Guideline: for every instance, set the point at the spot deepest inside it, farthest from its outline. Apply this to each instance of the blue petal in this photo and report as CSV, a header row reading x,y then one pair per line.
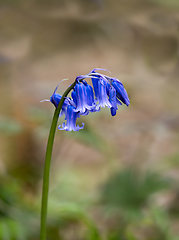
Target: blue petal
x,y
120,91
95,87
85,113
112,100
90,97
113,111
73,95
55,99
108,86
82,98
103,98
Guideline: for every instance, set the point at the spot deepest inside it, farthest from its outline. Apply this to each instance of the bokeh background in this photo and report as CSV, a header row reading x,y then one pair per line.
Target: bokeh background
x,y
118,179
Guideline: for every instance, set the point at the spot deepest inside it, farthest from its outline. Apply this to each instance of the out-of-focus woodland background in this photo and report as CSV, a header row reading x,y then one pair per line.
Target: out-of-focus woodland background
x,y
118,179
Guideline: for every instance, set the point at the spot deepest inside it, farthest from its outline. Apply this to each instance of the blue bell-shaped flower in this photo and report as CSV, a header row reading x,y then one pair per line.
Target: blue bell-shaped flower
x,y
120,91
83,98
71,117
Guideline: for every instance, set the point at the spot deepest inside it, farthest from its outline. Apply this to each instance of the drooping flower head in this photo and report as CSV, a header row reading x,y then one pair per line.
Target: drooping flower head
x,y
105,91
107,88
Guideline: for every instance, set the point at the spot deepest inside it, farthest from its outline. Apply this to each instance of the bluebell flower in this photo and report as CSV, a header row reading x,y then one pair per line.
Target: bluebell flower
x,y
106,91
102,94
90,97
95,79
101,88
55,99
71,117
121,92
118,90
84,99
108,87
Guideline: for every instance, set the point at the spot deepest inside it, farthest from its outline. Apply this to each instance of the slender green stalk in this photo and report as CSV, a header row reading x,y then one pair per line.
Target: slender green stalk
x,y
46,175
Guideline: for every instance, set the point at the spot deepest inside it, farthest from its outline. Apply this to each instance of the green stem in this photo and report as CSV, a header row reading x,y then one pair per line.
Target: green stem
x,y
46,175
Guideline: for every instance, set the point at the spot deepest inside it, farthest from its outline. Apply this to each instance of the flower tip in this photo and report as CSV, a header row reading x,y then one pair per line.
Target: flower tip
x,y
79,128
45,100
113,111
102,69
65,79
127,101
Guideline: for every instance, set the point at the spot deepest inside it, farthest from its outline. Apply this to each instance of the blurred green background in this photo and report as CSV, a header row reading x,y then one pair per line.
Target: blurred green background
x,y
118,179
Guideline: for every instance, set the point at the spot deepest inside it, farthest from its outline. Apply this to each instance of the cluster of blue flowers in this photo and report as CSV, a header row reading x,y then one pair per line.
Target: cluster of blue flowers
x,y
106,91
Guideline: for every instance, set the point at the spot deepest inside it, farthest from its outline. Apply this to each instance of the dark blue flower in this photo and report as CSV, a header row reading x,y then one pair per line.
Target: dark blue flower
x,y
120,91
111,92
55,99
71,117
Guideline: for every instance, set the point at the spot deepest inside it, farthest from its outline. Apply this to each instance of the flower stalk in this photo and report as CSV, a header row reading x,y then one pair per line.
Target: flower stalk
x,y
46,176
